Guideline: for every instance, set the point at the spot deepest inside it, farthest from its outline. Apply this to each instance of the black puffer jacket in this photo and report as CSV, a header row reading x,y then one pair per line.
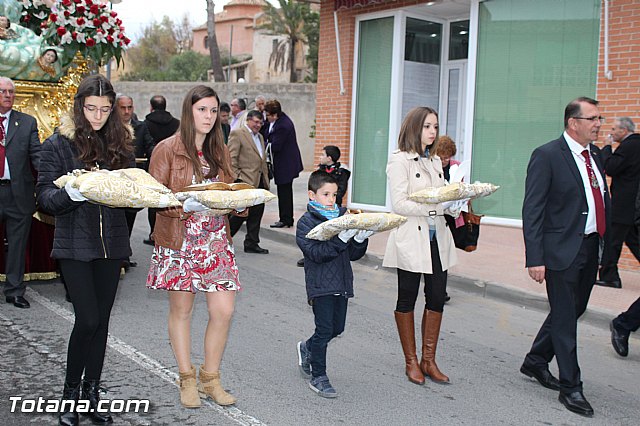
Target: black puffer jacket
x,y
83,231
327,264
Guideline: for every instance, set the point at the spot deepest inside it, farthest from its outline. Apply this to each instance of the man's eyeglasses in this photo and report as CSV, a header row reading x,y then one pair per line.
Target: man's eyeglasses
x,y
594,118
7,91
93,108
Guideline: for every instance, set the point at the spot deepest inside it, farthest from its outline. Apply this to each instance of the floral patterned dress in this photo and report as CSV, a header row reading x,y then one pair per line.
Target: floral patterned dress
x,y
206,261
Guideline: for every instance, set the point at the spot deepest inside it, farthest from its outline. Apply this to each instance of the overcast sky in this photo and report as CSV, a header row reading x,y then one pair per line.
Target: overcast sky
x,y
136,14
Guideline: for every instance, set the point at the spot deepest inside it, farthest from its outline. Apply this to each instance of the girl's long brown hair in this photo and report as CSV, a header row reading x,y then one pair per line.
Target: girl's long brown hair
x,y
213,149
410,139
113,143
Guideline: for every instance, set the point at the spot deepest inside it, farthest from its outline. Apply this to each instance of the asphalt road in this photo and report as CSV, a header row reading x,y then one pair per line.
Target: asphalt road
x,y
482,345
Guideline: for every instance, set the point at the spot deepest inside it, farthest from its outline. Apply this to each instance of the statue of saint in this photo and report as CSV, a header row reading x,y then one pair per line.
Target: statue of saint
x,y
22,53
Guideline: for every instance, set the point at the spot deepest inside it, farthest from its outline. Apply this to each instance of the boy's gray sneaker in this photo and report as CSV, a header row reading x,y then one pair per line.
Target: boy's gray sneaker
x,y
322,387
304,359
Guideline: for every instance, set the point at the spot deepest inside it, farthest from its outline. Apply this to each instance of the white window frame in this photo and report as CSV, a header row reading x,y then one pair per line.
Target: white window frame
x,y
395,102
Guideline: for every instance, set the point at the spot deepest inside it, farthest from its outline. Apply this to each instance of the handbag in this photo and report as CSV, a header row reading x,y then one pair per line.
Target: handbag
x,y
269,160
465,237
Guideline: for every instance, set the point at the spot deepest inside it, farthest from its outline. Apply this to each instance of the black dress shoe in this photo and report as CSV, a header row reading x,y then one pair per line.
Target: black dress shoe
x,y
544,377
133,264
256,249
619,340
18,302
446,297
612,284
576,402
300,263
280,225
149,242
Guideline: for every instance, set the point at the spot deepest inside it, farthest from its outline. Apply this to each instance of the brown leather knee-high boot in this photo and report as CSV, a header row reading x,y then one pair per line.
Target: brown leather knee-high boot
x,y
431,321
406,330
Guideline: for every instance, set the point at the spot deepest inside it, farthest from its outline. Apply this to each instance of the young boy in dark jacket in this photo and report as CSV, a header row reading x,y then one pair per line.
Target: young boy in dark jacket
x,y
328,277
329,163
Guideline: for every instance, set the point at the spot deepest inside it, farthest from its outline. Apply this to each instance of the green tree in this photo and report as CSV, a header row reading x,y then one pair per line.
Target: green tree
x,y
312,32
188,66
289,20
149,59
214,52
183,32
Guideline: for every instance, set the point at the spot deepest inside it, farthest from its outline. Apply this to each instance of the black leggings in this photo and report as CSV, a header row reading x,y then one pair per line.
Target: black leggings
x,y
435,287
92,287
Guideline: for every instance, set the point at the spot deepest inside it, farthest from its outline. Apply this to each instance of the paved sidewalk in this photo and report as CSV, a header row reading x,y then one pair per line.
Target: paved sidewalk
x,y
498,262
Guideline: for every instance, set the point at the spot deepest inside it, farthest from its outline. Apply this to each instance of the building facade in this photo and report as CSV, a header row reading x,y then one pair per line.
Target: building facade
x,y
264,57
499,72
234,28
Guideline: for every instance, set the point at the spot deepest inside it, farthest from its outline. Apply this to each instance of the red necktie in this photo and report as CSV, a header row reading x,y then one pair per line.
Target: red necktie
x,y
597,195
2,142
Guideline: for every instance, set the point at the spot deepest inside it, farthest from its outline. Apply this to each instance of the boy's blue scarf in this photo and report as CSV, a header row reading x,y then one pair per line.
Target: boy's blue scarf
x,y
327,212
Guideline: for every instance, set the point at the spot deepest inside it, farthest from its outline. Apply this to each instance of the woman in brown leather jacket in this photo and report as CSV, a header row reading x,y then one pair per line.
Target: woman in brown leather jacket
x,y
193,251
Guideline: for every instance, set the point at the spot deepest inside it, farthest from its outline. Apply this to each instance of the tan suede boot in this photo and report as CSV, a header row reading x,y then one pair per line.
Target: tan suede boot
x,y
431,321
188,389
210,386
407,333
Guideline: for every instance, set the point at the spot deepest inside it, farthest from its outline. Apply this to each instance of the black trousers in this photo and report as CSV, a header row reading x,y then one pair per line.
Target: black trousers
x,y
568,291
435,285
620,233
92,287
17,227
151,214
252,239
285,203
629,320
131,219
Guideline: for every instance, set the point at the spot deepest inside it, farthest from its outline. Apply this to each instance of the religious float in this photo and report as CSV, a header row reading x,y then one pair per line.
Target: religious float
x,y
46,48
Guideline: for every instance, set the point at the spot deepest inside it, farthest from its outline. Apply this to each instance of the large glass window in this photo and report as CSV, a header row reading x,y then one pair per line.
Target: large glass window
x,y
533,58
373,93
421,79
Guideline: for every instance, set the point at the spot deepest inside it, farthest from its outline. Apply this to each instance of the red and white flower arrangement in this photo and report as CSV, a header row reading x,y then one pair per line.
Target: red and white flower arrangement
x,y
85,26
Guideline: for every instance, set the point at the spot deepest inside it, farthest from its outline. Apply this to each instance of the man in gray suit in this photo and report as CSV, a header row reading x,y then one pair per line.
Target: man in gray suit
x,y
249,164
19,149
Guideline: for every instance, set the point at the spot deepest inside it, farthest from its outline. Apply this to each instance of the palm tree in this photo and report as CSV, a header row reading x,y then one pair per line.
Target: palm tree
x,y
288,20
214,52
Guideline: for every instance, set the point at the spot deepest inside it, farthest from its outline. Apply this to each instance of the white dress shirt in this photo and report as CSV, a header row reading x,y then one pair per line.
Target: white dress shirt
x,y
576,150
256,140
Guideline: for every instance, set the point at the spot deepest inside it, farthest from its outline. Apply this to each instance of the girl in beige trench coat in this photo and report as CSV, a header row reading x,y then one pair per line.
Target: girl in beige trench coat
x,y
421,246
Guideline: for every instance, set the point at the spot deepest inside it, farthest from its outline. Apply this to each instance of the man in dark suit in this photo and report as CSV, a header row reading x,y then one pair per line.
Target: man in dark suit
x,y
144,145
224,111
623,165
622,326
19,151
287,162
161,125
564,217
248,160
627,322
